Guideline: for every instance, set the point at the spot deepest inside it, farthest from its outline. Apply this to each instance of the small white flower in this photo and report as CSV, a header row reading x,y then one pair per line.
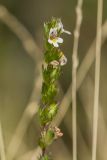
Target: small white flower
x,y
54,63
60,27
53,39
63,60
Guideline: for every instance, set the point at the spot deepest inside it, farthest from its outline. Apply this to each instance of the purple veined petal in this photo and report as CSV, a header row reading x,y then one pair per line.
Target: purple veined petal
x,y
53,32
63,60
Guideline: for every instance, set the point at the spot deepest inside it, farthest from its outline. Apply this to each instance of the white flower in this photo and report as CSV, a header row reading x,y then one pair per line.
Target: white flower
x,y
54,63
60,27
63,60
53,39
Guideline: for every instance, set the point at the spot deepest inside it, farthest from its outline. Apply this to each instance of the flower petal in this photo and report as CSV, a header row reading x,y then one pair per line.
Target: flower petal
x,y
67,32
53,32
60,40
55,44
63,60
50,41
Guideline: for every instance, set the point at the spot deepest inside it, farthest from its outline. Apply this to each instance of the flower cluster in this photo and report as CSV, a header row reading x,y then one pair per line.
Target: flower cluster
x,y
53,34
54,59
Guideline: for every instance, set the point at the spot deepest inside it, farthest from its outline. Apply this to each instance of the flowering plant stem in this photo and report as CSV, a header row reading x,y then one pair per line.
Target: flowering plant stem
x,y
54,59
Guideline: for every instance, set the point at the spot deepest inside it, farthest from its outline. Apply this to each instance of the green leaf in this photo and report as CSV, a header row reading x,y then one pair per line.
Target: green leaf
x,y
46,30
51,55
48,46
43,116
48,113
48,92
50,74
52,111
47,138
42,143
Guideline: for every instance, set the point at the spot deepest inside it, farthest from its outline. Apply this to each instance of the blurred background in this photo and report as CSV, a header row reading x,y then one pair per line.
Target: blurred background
x,y
21,55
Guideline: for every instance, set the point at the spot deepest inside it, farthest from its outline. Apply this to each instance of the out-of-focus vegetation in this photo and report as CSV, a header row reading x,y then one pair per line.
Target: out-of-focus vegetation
x,y
18,72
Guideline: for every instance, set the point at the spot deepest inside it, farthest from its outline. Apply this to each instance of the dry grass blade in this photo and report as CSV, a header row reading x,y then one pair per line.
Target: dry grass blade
x,y
2,147
21,32
24,122
90,57
82,145
31,48
74,75
97,78
88,89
